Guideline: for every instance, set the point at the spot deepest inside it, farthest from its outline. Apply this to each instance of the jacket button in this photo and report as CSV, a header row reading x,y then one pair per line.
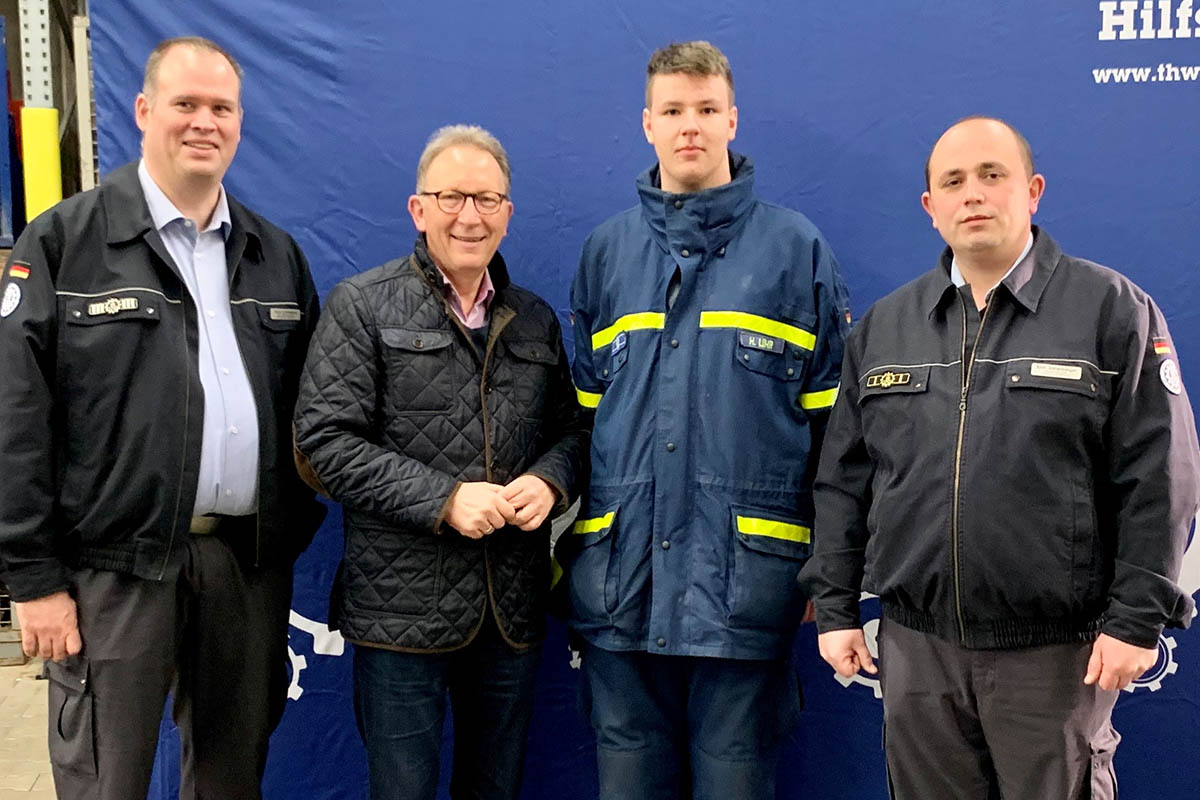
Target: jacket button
x,y
670,447
661,642
674,343
487,388
745,356
721,252
604,372
417,343
666,545
679,204
684,253
796,354
791,372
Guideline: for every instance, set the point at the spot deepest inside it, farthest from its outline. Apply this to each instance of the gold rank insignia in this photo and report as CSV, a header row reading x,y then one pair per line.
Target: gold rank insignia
x,y
113,305
887,380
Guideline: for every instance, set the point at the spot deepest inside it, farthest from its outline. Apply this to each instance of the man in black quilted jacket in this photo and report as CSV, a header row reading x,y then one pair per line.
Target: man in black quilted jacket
x,y
436,405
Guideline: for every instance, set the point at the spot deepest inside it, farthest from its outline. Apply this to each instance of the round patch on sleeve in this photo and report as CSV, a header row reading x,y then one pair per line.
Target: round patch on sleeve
x,y
1168,373
12,298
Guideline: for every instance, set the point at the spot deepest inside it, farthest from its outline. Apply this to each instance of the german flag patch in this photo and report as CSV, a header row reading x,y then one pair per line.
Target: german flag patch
x,y
1162,347
18,271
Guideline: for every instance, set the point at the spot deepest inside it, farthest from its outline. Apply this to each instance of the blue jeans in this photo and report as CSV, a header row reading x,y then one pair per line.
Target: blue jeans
x,y
400,703
672,727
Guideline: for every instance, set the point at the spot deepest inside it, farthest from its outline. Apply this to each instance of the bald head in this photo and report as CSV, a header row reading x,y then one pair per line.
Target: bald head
x,y
1022,143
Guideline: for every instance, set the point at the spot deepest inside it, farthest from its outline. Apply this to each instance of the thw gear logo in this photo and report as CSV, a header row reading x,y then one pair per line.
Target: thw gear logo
x,y
325,643
871,632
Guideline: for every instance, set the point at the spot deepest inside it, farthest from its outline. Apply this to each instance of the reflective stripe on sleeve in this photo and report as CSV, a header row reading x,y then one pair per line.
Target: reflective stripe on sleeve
x,y
814,401
763,325
588,399
757,526
643,320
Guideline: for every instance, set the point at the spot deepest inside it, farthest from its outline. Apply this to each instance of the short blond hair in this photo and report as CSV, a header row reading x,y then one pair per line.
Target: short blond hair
x,y
150,76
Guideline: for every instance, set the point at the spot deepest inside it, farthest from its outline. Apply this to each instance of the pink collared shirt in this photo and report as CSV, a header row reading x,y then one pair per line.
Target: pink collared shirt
x,y
476,317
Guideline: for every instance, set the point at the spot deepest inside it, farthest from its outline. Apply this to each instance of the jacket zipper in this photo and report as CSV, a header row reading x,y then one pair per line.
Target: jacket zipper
x,y
967,367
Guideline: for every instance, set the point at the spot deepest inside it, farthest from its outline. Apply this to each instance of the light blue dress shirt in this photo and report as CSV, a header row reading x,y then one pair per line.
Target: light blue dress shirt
x,y
229,453
957,277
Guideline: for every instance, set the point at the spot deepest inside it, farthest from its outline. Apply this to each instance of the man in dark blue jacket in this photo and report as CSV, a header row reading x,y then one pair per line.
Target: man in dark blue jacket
x,y
708,340
1012,467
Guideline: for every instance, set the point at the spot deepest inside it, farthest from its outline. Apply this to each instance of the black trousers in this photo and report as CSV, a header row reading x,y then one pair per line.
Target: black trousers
x,y
993,724
216,634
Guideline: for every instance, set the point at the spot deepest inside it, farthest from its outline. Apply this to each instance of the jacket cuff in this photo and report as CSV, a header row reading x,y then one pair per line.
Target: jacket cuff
x,y
34,580
1138,634
561,502
837,617
445,510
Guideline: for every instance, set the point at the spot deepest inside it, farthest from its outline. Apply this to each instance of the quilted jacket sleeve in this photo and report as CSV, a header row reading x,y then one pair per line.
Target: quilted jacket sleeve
x,y
335,423
564,464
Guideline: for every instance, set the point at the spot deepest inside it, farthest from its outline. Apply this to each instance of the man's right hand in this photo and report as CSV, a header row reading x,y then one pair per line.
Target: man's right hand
x,y
846,651
476,509
49,627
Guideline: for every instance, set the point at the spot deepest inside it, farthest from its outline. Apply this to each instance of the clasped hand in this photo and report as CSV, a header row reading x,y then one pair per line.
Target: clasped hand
x,y
479,507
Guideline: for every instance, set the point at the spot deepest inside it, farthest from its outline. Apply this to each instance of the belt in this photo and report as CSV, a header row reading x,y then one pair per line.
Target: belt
x,y
210,523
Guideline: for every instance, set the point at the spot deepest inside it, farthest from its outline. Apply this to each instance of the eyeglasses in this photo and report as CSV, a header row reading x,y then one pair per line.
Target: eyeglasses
x,y
452,201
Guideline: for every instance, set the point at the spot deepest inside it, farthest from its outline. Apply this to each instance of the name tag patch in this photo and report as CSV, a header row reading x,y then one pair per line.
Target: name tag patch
x,y
113,305
768,344
1065,372
886,380
286,314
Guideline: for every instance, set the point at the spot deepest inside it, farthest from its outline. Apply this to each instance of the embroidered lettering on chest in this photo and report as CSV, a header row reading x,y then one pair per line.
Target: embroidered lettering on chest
x,y
757,341
1065,372
113,305
886,380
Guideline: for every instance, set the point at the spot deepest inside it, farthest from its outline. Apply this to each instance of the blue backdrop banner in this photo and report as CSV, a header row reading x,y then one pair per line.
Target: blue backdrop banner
x,y
839,104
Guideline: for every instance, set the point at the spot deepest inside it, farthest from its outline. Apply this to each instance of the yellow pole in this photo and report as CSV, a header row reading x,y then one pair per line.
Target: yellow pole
x,y
43,167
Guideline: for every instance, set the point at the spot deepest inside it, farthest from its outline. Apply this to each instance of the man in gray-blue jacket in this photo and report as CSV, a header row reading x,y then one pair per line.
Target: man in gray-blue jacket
x,y
1012,467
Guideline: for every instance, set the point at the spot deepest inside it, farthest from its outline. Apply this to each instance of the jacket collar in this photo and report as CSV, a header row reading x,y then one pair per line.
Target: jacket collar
x,y
497,269
128,217
1026,286
701,221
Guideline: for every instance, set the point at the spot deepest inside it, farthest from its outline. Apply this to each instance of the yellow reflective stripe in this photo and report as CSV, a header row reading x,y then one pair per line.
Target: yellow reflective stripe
x,y
594,524
763,325
588,399
643,320
815,400
556,572
756,526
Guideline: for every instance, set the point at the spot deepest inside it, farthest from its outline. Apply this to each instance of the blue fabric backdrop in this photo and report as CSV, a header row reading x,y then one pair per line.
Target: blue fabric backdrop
x,y
839,104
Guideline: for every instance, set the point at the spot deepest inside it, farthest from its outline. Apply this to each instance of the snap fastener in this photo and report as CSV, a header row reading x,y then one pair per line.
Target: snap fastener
x,y
417,343
1015,378
661,642
674,343
684,253
604,372
666,545
679,204
670,447
791,371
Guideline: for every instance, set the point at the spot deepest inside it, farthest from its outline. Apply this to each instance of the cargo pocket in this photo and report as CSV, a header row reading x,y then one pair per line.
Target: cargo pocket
x,y
768,550
593,570
72,727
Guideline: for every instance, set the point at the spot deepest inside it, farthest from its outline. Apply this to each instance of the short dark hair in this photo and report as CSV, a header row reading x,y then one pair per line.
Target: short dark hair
x,y
1022,144
698,58
150,77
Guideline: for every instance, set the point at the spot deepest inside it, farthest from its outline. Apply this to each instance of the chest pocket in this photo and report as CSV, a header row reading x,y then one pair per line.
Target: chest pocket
x,y
1052,393
528,375
421,372
770,355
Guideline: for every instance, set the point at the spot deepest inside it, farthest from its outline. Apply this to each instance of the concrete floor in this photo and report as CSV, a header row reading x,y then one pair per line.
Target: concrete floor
x,y
24,762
